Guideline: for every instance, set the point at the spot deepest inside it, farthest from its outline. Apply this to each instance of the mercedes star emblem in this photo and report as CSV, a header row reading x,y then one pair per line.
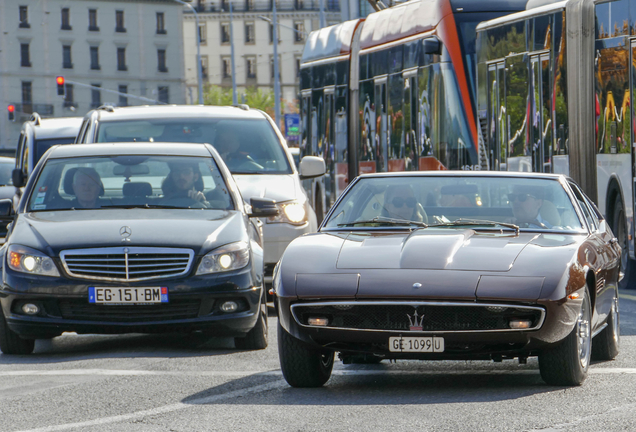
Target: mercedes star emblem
x,y
125,232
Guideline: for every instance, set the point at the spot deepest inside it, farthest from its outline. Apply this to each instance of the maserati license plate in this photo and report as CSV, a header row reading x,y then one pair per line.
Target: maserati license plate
x,y
132,296
416,344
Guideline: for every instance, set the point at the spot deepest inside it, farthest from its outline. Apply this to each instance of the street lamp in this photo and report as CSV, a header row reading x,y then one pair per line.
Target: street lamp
x,y
199,65
276,76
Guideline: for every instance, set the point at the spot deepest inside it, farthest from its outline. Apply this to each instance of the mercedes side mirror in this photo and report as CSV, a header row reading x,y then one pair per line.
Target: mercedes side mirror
x,y
310,167
263,207
6,208
18,177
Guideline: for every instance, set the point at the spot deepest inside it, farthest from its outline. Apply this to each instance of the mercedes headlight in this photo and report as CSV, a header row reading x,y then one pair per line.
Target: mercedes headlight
x,y
229,257
31,261
291,212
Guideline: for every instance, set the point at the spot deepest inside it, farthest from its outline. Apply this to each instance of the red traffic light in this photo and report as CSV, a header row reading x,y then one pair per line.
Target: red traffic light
x,y
11,108
60,85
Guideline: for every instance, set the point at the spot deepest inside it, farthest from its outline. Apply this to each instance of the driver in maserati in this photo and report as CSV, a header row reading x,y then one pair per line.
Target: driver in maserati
x,y
526,201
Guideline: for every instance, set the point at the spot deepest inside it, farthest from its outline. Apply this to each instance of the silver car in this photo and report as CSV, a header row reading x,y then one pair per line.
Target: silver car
x,y
248,141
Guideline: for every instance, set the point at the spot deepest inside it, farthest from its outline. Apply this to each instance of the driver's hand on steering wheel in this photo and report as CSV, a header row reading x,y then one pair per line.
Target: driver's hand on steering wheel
x,y
196,195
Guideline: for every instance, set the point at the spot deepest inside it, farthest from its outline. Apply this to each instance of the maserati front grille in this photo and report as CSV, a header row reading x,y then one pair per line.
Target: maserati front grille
x,y
434,317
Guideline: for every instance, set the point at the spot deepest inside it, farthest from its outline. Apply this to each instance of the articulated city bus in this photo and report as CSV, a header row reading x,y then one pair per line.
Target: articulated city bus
x,y
556,86
393,92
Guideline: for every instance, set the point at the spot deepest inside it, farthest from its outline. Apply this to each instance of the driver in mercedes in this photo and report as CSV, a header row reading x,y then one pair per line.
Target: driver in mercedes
x,y
184,181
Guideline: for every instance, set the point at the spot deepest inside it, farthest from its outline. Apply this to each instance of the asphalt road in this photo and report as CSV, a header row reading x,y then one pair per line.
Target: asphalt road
x,y
176,383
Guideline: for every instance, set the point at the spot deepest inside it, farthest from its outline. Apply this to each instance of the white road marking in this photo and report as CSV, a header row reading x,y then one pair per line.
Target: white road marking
x,y
340,372
163,409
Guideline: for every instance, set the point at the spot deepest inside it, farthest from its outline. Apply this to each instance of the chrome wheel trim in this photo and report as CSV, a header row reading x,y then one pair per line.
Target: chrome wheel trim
x,y
326,360
584,338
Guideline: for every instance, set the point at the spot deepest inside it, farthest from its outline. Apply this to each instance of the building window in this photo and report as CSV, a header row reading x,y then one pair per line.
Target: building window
x,y
95,58
25,58
271,34
161,60
92,20
67,62
271,67
297,59
298,4
24,17
250,67
96,96
226,64
66,19
69,97
249,5
203,34
225,32
249,32
119,22
123,100
161,23
299,31
121,59
164,95
225,5
204,67
27,93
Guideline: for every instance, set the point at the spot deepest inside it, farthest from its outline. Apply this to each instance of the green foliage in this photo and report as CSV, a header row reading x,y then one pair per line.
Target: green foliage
x,y
255,98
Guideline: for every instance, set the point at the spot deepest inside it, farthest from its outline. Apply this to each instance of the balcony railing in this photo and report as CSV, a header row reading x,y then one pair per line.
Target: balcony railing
x,y
30,108
266,6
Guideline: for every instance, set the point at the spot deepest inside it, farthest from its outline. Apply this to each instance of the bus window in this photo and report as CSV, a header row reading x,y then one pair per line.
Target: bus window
x,y
381,126
519,157
395,124
367,150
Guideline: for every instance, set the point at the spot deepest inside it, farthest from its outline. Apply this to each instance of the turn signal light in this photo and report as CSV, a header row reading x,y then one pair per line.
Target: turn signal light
x,y
318,321
520,324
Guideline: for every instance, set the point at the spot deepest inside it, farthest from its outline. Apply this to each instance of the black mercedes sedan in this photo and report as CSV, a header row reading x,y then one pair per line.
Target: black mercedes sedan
x,y
452,265
121,238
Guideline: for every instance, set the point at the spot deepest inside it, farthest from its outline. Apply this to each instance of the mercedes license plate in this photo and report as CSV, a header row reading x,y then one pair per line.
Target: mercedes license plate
x,y
132,296
416,344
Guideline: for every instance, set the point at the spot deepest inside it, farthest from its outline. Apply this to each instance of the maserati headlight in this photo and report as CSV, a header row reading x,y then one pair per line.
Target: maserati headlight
x,y
291,212
31,261
229,257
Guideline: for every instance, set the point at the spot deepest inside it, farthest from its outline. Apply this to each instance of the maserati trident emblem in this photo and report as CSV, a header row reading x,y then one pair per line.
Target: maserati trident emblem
x,y
125,232
414,323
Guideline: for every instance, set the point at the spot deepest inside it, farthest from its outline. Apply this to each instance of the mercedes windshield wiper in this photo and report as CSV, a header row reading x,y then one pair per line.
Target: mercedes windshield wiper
x,y
149,206
477,222
385,221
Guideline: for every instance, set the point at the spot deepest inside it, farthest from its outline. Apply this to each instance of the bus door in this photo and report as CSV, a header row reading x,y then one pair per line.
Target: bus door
x,y
328,145
305,109
518,107
410,120
496,116
382,130
539,124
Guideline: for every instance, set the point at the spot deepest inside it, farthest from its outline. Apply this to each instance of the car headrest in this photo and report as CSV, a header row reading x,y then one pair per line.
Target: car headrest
x,y
137,189
550,213
70,174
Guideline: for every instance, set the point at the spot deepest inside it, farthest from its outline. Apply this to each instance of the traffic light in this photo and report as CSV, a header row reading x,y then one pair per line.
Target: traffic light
x,y
60,85
11,109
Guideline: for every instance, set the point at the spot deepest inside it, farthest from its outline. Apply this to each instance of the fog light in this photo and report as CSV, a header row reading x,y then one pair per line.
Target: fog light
x,y
30,309
229,306
520,323
318,321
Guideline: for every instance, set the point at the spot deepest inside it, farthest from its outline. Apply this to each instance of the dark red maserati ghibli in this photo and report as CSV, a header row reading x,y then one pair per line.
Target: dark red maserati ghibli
x,y
452,265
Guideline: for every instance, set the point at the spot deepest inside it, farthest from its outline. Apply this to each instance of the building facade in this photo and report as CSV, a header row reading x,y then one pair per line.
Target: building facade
x,y
100,47
253,42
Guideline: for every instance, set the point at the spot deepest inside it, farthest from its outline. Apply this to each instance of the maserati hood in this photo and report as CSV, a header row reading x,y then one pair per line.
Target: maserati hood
x,y
279,187
433,249
200,230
